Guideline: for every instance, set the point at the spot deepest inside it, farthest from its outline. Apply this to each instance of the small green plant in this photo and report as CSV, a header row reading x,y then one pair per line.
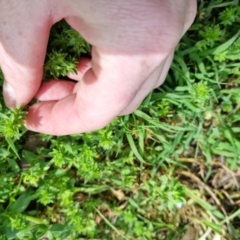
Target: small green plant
x,y
201,93
230,15
210,35
59,64
12,123
64,50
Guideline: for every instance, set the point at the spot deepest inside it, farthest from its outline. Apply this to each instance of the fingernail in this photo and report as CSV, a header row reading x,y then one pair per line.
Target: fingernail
x,y
9,95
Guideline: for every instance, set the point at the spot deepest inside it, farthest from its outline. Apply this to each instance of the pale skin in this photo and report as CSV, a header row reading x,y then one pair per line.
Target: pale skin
x,y
132,48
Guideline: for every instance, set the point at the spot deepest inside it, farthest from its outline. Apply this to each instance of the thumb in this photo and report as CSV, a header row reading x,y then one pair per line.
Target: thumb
x,y
24,32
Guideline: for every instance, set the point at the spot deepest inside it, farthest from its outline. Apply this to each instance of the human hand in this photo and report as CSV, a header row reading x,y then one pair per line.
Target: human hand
x,y
132,48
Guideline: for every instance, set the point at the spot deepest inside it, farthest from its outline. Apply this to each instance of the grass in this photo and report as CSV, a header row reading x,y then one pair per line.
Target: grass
x,y
168,171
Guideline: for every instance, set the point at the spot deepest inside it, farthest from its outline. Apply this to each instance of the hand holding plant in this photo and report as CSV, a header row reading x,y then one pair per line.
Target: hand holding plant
x,y
132,48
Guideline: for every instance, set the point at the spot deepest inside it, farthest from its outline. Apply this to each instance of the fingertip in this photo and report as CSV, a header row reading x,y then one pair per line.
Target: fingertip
x,y
20,85
84,65
9,95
